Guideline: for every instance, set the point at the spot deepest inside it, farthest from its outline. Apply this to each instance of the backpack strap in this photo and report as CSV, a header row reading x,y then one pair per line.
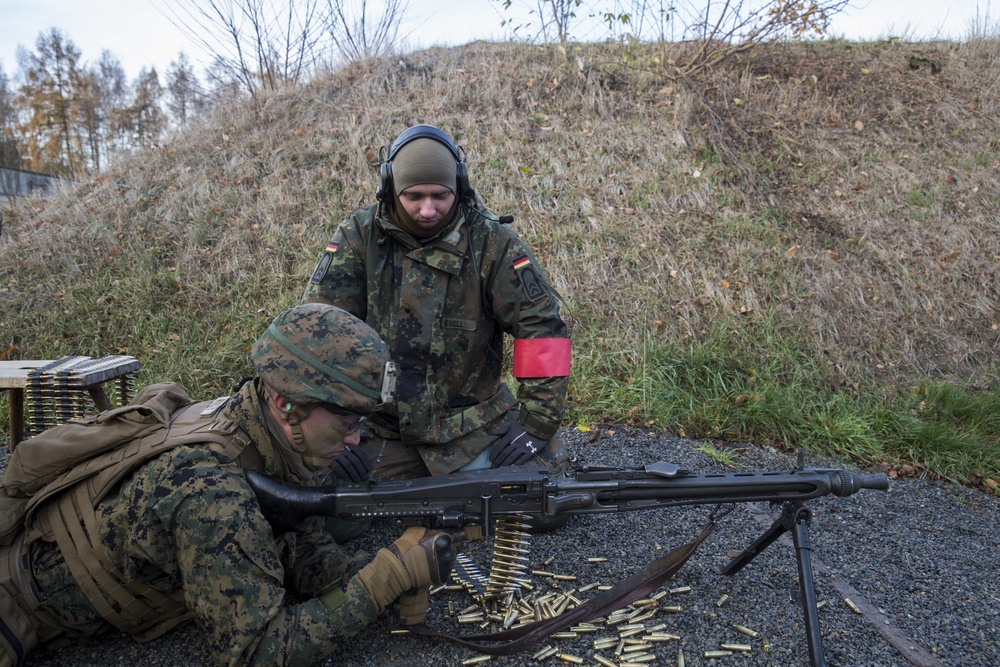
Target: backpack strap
x,y
70,519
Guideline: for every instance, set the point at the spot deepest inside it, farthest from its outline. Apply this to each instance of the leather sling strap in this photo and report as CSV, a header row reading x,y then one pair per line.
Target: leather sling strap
x,y
625,592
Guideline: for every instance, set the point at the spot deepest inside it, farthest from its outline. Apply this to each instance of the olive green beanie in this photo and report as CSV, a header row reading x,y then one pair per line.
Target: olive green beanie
x,y
421,161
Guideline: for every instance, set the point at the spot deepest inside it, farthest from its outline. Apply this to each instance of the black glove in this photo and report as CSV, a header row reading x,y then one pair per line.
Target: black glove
x,y
352,464
515,446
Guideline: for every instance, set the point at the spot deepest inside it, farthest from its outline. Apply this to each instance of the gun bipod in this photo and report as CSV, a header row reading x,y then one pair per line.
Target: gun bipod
x,y
795,517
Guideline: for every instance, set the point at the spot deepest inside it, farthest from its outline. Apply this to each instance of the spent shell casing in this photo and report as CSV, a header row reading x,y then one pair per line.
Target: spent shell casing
x,y
717,654
642,659
740,648
597,559
584,589
399,631
550,560
620,647
572,659
657,628
471,618
605,642
469,610
604,661
672,608
743,630
661,637
680,658
631,632
821,604
645,616
478,659
542,573
854,607
566,634
680,589
437,589
633,641
604,587
585,627
638,648
564,577
722,600
544,653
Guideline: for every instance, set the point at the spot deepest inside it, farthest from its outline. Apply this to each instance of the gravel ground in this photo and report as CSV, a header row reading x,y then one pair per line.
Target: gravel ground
x,y
921,559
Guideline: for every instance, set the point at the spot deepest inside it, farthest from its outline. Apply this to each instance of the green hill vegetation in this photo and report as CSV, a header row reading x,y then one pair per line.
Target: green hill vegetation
x,y
798,247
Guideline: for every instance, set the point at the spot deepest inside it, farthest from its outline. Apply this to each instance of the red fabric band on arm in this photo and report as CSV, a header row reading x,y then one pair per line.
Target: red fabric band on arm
x,y
541,357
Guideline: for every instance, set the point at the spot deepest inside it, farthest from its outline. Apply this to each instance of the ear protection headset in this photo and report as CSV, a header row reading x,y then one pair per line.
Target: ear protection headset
x,y
386,191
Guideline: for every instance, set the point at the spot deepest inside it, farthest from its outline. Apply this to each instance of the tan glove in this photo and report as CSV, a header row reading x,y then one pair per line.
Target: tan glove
x,y
418,559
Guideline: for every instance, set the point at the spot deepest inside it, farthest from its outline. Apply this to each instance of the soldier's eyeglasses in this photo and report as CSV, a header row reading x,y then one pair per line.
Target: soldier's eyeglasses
x,y
356,425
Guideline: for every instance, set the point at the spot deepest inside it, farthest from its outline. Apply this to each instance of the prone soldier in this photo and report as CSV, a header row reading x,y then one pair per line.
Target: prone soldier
x,y
154,524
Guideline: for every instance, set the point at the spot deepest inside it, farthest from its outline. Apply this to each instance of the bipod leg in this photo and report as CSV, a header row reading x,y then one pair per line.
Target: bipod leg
x,y
777,529
795,518
803,549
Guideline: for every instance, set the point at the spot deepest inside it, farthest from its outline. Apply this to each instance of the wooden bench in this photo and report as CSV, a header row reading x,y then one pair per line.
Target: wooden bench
x,y
47,392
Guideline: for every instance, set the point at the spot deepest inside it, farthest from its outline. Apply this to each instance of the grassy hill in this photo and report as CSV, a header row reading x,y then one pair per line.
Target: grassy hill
x,y
799,247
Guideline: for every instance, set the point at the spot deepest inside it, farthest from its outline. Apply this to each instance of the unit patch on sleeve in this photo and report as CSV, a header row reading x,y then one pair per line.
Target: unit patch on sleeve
x,y
528,276
324,264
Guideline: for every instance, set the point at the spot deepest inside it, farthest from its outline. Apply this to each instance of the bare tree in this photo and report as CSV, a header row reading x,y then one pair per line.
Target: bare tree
x,y
722,28
358,33
263,44
694,33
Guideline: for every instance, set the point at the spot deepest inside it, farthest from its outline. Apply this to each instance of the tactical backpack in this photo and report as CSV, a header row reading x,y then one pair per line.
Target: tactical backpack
x,y
51,487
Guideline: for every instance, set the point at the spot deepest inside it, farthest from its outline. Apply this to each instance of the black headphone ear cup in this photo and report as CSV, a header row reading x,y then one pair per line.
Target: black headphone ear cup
x,y
385,187
462,178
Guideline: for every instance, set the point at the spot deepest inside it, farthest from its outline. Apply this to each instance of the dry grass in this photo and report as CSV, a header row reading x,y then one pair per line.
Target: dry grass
x,y
843,195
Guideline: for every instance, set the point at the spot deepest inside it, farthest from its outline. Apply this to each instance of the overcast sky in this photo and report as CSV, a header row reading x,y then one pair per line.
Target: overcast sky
x,y
141,36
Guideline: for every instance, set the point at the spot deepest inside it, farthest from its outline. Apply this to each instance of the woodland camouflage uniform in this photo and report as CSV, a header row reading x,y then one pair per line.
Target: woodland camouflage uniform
x,y
442,307
188,519
176,531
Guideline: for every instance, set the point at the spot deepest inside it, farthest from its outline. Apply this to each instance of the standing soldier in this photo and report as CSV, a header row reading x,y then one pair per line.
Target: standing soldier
x,y
142,518
442,280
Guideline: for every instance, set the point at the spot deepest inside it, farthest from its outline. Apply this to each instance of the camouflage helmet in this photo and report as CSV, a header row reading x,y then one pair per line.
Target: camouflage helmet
x,y
317,353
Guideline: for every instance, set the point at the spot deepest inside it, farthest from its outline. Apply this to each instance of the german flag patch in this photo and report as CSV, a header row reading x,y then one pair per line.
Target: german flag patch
x,y
528,277
324,263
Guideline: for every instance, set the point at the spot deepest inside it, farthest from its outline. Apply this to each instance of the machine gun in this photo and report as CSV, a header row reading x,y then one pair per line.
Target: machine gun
x,y
482,497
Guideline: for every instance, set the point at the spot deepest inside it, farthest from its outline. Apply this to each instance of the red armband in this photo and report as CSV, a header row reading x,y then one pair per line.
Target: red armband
x,y
541,357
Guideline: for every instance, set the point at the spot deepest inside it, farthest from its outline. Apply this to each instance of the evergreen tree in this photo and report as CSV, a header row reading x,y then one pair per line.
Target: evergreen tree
x,y
147,120
185,97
